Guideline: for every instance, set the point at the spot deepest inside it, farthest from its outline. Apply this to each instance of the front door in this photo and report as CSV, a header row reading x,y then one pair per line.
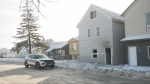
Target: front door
x,y
108,55
132,56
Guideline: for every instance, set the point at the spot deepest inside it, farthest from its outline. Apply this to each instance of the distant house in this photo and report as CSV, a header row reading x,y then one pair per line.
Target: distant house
x,y
48,42
41,50
74,48
23,52
137,32
58,50
36,50
13,50
100,32
6,53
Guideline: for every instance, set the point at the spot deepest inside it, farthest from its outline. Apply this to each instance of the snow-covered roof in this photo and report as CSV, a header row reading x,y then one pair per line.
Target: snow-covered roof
x,y
4,50
45,41
134,38
113,15
57,45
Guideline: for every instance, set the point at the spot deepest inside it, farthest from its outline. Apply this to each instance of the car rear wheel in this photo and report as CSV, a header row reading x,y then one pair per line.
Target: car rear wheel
x,y
38,65
26,64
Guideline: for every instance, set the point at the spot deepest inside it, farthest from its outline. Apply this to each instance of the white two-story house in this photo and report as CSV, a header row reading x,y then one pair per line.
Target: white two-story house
x,y
100,32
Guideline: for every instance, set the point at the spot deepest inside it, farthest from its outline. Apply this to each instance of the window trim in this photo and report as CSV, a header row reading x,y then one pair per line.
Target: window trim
x,y
148,49
74,46
87,33
99,31
94,53
147,21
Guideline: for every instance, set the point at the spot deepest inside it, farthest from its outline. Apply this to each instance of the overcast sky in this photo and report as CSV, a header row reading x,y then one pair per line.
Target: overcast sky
x,y
61,18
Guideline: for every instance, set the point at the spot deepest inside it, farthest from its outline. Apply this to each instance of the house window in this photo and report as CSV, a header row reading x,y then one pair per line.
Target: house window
x,y
148,48
93,14
88,33
63,52
58,52
148,21
74,46
97,31
95,55
51,53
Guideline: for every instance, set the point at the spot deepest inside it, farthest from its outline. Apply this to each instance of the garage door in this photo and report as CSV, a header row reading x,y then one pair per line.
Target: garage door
x,y
132,56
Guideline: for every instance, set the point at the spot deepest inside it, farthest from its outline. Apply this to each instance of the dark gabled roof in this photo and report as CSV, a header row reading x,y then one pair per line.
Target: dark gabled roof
x,y
57,45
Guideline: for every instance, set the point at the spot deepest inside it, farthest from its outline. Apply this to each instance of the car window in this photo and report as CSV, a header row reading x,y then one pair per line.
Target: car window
x,y
30,56
40,56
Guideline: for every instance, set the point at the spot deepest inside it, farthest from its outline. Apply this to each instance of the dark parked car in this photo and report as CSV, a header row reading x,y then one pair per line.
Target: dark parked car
x,y
39,61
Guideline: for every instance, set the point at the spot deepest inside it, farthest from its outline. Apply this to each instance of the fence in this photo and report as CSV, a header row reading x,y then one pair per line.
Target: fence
x,y
61,57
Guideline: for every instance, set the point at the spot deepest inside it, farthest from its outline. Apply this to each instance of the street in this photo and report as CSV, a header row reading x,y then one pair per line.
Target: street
x,y
13,73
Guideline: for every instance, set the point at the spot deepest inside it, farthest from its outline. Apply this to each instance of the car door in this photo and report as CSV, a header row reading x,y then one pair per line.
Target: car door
x,y
30,59
33,60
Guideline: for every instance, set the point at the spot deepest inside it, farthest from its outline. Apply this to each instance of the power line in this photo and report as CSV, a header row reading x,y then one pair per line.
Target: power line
x,y
64,8
7,34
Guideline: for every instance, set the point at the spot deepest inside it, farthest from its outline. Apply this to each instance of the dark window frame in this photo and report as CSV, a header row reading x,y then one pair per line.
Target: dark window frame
x,y
147,21
148,50
93,14
95,54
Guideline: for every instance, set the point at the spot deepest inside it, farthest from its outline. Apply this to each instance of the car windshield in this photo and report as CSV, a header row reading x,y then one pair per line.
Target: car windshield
x,y
40,56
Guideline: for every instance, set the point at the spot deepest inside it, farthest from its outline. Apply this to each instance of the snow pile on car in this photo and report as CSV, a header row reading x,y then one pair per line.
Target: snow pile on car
x,y
124,71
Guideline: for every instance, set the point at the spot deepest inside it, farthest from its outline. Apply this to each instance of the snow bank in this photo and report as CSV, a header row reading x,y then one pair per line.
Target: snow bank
x,y
13,60
135,72
95,68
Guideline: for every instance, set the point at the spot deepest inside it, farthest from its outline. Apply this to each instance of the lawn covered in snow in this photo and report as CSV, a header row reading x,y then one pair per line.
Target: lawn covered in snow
x,y
95,68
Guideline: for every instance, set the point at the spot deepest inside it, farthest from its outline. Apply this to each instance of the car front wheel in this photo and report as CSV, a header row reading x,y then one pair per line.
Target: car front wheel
x,y
26,64
38,65
52,66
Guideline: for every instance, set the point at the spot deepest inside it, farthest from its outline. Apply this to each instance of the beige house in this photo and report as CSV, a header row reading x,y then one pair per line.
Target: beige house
x,y
74,48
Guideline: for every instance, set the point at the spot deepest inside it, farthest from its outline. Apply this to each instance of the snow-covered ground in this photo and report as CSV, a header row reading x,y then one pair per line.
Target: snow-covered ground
x,y
95,68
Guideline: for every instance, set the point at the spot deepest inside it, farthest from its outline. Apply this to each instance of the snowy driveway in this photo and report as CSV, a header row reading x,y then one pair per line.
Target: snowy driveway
x,y
13,73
